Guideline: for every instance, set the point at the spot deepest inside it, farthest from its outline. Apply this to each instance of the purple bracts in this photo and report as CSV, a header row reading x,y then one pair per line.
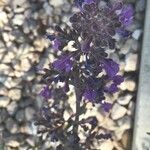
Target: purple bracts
x,y
126,16
110,67
46,92
56,44
63,64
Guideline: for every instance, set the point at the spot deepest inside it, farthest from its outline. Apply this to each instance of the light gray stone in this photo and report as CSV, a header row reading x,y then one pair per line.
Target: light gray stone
x,y
48,9
131,108
3,18
2,78
131,62
27,128
56,3
19,36
25,64
135,45
124,100
3,90
118,134
8,59
39,44
10,83
106,145
118,111
29,113
3,115
4,101
19,10
125,122
20,115
15,94
128,84
29,76
5,36
140,5
137,34
18,19
16,3
11,125
12,108
4,69
25,102
13,143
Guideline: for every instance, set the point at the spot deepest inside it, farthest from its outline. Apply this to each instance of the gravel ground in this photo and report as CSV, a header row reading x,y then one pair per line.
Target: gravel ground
x,y
23,51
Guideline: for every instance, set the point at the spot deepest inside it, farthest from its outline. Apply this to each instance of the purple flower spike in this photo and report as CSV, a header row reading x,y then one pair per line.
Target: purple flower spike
x,y
89,94
126,15
46,92
56,44
79,3
85,47
89,1
118,79
106,106
111,89
123,33
114,86
50,37
110,67
64,64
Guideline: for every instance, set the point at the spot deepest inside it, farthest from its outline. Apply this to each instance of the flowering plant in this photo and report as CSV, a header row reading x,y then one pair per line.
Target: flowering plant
x,y
87,68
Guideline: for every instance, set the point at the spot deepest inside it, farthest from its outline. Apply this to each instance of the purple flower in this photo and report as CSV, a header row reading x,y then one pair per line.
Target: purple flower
x,y
63,64
114,86
85,47
79,3
45,111
56,44
111,89
46,92
106,106
93,121
89,1
118,79
126,15
90,94
123,33
50,37
54,137
66,87
110,67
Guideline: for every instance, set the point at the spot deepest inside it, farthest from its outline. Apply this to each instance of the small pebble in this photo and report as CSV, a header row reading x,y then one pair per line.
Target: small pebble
x,y
124,100
125,122
12,107
4,101
15,94
18,19
137,34
20,115
118,111
29,113
11,125
131,62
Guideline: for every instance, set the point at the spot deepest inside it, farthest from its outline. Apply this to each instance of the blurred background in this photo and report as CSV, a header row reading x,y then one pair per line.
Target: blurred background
x,y
24,51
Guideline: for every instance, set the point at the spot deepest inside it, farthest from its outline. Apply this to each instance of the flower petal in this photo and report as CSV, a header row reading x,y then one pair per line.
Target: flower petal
x,y
110,67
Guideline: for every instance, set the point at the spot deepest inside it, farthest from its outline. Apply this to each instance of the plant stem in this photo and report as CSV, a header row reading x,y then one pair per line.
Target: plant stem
x,y
78,99
78,94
